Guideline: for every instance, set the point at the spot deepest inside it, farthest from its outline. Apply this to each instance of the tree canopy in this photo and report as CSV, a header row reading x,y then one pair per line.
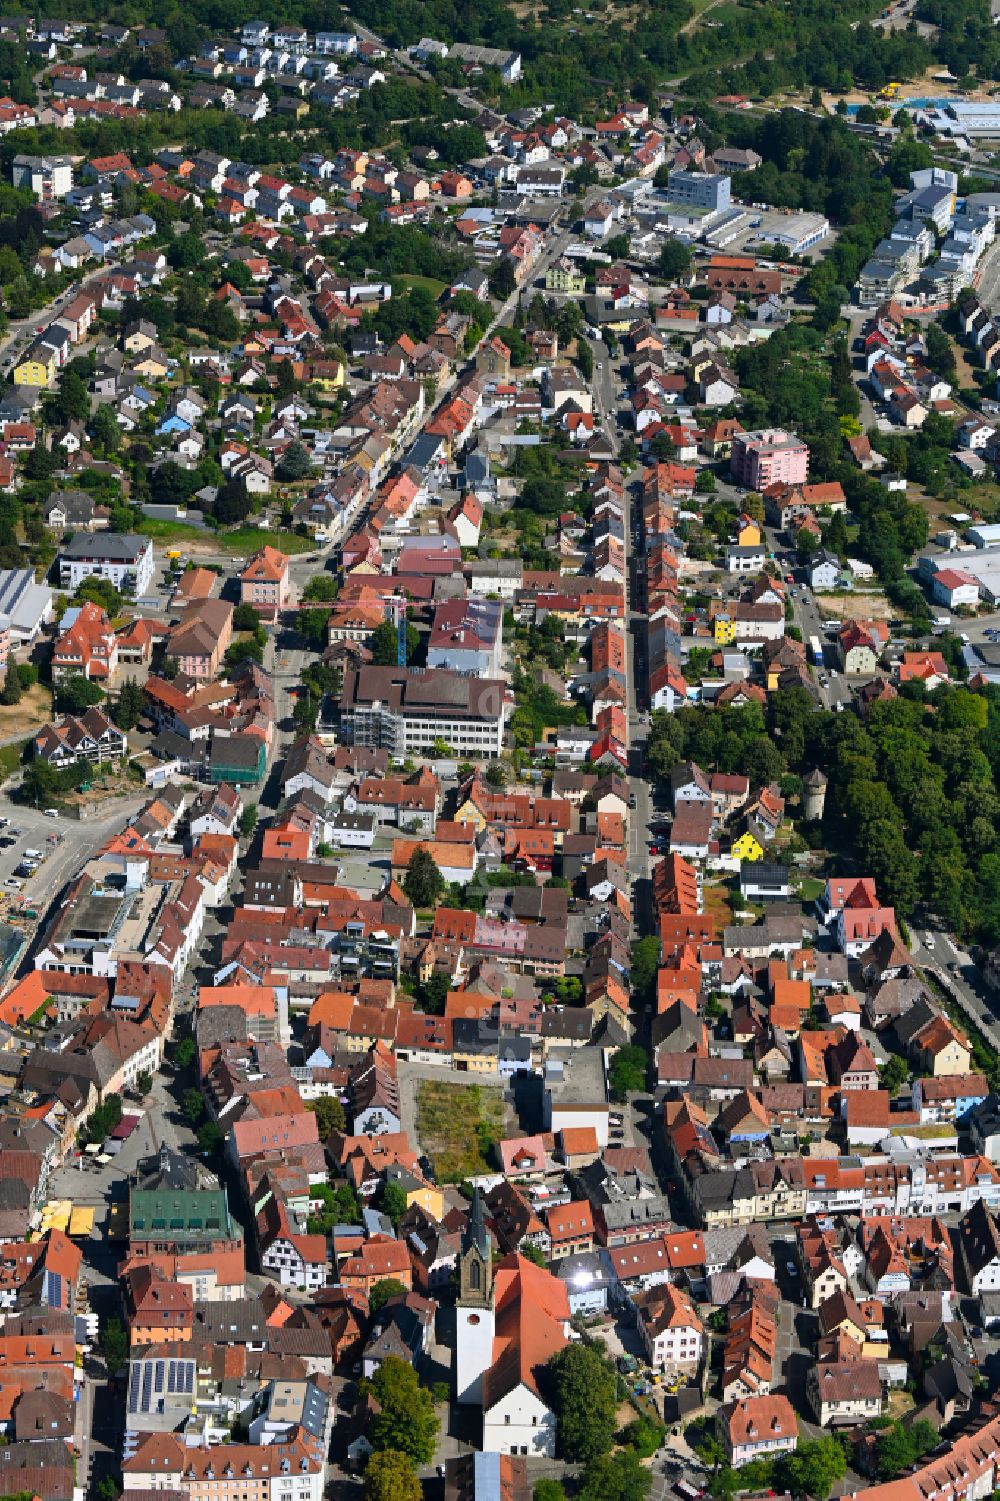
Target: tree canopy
x,y
407,1421
584,1397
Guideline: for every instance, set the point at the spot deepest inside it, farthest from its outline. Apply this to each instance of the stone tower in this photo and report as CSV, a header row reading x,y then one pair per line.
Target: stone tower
x,y
474,1310
814,794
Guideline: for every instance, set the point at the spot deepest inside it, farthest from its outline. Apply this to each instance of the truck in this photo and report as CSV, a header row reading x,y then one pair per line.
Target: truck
x,y
816,650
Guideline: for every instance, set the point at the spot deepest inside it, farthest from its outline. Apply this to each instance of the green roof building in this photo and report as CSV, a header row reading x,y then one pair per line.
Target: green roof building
x,y
181,1218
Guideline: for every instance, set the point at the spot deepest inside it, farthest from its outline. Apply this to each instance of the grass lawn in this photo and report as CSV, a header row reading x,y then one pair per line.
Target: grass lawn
x,y
404,283
159,530
456,1123
245,539
251,538
811,889
11,757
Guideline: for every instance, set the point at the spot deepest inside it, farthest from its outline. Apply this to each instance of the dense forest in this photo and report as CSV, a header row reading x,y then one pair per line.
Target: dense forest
x,y
913,797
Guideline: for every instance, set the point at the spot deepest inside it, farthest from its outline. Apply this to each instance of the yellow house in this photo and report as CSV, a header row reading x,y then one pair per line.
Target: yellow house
x,y
748,847
469,813
940,1050
329,375
151,364
748,533
139,339
428,1196
724,630
472,1059
35,369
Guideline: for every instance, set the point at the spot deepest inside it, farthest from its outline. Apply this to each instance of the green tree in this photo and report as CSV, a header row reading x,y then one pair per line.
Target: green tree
x,y
894,1073
502,280
407,1420
584,1395
76,693
193,1105
674,260
898,1448
384,643
645,965
627,1071
329,1113
105,434
248,820
210,1138
245,618
100,592
392,1201
114,1345
814,1468
295,463
615,1477
312,627
322,588
423,882
72,403
143,1082
130,705
384,1290
644,1436
548,1490
233,504
185,1052
390,1476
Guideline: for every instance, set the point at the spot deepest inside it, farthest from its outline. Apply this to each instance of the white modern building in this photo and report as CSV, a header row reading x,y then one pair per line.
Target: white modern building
x,y
127,561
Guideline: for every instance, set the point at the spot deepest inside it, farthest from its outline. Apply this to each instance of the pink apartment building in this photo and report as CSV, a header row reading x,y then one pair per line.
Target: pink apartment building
x,y
264,582
769,457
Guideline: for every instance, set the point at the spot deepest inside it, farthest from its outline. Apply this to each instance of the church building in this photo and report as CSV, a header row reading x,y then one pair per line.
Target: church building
x,y
511,1320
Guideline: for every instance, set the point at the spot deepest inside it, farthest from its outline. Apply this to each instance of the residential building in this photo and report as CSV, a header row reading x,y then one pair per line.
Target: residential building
x,y
769,456
757,1428
126,561
264,582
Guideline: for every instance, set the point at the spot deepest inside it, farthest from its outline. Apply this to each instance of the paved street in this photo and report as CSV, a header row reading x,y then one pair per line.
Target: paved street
x,y
78,841
959,978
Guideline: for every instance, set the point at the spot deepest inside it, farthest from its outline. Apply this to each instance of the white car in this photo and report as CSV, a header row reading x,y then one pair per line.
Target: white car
x,y
928,940
13,884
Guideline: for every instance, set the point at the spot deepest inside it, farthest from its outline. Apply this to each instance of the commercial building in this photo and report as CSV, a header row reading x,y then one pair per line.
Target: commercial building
x,y
769,456
24,605
707,190
126,561
405,711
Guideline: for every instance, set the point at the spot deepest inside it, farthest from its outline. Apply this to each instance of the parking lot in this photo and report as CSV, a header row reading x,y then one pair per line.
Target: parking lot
x,y
62,856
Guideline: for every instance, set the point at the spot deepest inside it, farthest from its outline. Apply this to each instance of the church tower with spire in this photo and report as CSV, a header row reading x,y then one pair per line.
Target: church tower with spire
x,y
474,1311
